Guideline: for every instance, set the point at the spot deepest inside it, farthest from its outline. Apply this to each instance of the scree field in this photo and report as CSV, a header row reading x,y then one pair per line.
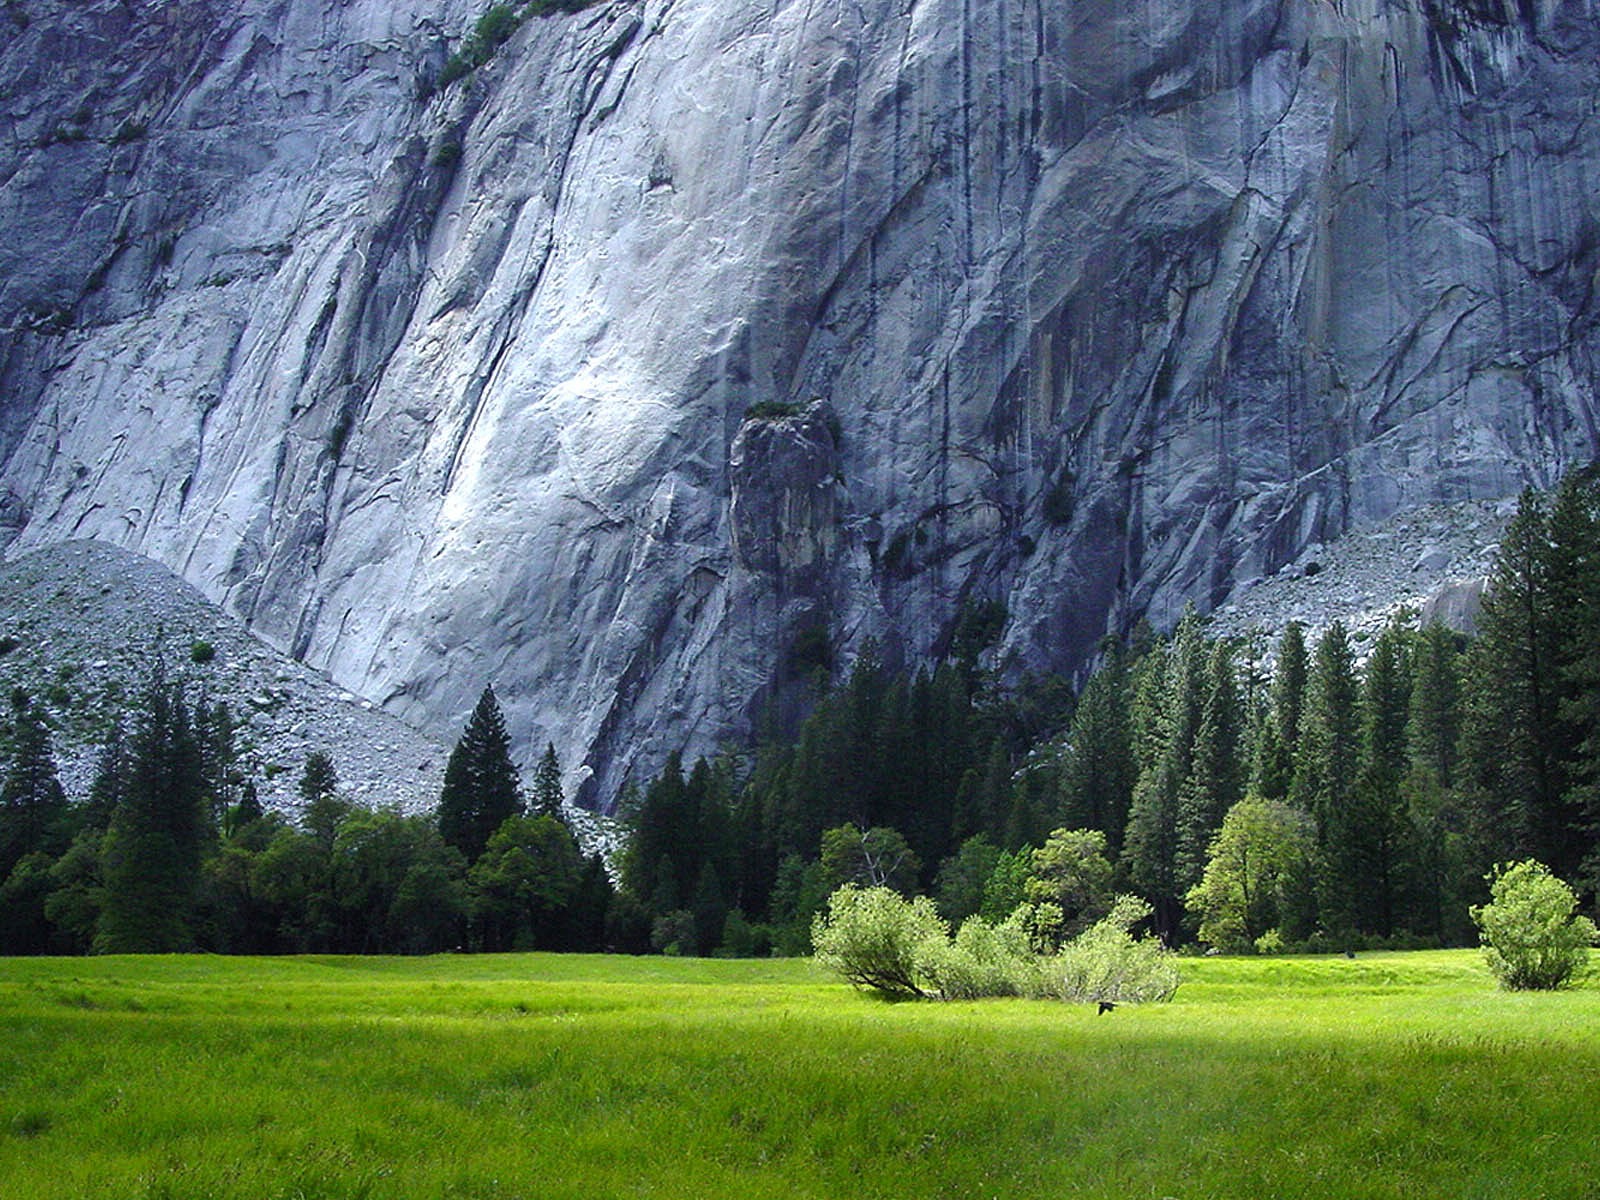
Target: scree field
x,y
545,1076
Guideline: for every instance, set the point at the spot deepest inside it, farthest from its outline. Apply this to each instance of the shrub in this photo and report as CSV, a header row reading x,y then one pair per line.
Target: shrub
x,y
492,30
978,626
809,653
1058,499
902,949
772,410
873,937
202,652
673,933
1531,937
984,960
1107,963
1270,942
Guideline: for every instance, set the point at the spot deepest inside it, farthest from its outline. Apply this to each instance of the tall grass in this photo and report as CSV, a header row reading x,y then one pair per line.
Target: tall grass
x,y
567,1076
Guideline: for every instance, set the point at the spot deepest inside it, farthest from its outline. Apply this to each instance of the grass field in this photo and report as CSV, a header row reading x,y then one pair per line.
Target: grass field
x,y
565,1076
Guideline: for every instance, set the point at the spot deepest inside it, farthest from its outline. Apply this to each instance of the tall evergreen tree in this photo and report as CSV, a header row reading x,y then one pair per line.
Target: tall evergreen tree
x,y
1272,759
1325,771
1215,782
1097,771
1434,721
33,808
661,841
1329,742
321,809
1151,846
547,795
1379,847
480,784
1573,549
151,856
1517,740
109,781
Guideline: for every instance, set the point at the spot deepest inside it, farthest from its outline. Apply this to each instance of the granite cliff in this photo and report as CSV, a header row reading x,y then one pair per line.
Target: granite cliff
x,y
688,343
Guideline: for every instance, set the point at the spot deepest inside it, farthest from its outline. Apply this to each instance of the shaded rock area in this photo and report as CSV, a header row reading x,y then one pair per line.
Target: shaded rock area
x,y
1113,308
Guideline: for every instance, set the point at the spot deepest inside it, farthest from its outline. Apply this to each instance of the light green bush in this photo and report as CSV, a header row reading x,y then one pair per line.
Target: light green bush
x,y
882,942
984,959
873,937
1531,937
1107,963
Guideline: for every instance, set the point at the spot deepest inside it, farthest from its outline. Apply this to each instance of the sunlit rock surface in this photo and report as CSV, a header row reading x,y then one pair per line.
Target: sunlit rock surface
x,y
1107,307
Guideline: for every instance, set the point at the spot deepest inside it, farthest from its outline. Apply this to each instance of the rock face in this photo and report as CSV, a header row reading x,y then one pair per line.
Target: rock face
x,y
1107,307
80,623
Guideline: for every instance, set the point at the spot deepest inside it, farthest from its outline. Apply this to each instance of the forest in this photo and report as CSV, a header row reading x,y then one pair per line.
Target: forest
x,y
1313,793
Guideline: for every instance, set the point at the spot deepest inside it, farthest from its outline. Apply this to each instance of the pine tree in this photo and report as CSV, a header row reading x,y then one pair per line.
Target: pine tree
x,y
33,807
1272,760
1151,846
1326,758
1573,579
1434,721
661,834
109,782
1214,783
547,795
1380,847
321,809
151,857
1325,772
1097,772
480,784
1517,741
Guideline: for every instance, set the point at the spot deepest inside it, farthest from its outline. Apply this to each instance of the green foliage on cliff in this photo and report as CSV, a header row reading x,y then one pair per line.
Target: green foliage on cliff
x,y
493,29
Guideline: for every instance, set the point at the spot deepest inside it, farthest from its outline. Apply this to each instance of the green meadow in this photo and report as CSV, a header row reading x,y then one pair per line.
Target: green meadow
x,y
551,1076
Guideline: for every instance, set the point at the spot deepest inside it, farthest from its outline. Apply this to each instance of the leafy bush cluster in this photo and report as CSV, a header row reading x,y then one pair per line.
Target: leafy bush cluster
x,y
1107,963
1531,937
772,410
492,31
880,941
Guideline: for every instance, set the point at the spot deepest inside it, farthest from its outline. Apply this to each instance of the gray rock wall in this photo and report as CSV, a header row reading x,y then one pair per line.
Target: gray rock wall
x,y
1109,306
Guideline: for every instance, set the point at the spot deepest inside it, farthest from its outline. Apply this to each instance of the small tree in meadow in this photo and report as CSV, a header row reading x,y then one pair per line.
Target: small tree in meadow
x,y
1531,936
873,936
1073,872
1107,964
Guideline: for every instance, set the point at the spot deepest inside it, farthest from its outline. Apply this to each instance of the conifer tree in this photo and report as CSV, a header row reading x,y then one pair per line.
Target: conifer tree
x,y
1151,846
1379,849
33,807
547,784
321,810
1573,573
151,856
1325,772
480,784
1214,783
1327,755
1097,772
1517,740
110,779
1434,721
1272,767
662,832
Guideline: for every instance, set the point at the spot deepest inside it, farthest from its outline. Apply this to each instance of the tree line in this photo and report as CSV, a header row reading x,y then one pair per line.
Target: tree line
x,y
171,850
1315,794
1346,791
